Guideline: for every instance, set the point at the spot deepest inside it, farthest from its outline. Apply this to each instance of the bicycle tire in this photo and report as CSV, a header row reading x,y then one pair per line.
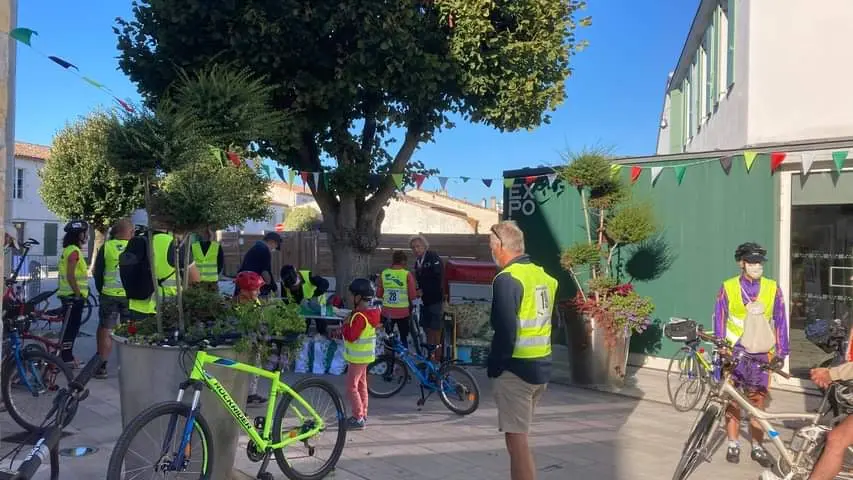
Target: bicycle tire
x,y
475,403
143,419
702,431
391,361
340,442
672,391
10,367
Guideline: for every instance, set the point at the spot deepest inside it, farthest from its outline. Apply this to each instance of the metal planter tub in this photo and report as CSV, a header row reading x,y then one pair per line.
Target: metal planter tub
x,y
152,374
591,360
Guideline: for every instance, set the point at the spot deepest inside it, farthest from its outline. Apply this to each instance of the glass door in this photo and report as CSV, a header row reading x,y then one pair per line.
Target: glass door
x,y
821,276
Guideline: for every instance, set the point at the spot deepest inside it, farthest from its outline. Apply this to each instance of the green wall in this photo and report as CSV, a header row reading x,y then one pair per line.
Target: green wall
x,y
702,221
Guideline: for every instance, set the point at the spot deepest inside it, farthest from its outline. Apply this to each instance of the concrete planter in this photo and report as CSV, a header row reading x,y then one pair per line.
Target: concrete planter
x,y
152,374
591,361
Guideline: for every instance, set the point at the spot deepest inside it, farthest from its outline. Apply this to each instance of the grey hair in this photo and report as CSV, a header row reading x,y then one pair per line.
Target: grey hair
x,y
421,238
510,236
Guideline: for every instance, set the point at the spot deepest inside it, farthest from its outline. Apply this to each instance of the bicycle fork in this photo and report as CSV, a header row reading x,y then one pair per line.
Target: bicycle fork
x,y
184,451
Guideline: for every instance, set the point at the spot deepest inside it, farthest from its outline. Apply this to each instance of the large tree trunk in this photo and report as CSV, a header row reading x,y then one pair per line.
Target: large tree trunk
x,y
353,234
349,263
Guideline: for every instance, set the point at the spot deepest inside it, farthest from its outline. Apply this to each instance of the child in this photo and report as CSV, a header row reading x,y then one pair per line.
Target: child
x,y
359,332
249,289
396,287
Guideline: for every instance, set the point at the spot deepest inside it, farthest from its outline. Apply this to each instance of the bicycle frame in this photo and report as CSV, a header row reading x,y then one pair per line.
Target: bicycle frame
x,y
262,440
411,360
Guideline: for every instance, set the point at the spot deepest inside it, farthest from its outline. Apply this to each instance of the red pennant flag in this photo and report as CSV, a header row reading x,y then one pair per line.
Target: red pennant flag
x,y
635,173
304,176
419,179
126,106
234,158
776,159
530,179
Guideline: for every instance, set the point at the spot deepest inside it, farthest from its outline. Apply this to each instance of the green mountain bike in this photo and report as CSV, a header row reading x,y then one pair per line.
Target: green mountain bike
x,y
185,450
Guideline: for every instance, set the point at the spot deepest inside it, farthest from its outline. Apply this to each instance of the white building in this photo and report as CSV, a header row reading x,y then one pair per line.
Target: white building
x,y
30,217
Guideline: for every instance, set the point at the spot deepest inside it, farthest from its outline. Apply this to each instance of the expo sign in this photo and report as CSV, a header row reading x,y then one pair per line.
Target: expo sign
x,y
521,199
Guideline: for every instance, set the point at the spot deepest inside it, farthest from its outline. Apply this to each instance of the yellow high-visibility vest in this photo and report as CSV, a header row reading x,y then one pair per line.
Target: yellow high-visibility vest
x,y
533,333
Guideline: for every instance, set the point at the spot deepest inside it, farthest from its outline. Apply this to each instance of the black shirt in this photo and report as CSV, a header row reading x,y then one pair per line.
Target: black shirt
x,y
321,286
428,274
506,300
258,259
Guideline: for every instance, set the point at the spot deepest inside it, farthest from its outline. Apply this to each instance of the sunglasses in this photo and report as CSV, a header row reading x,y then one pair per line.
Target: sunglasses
x,y
495,233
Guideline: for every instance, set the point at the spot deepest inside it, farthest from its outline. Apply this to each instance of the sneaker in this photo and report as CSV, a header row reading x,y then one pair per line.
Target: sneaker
x,y
355,423
760,455
733,454
101,372
255,399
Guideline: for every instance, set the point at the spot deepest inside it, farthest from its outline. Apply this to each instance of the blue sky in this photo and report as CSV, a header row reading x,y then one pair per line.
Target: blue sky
x,y
614,96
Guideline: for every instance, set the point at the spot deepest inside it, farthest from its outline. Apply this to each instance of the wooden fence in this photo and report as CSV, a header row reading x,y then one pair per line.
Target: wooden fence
x,y
311,250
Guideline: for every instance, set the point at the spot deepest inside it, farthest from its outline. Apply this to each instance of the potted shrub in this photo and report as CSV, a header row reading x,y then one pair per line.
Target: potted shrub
x,y
609,308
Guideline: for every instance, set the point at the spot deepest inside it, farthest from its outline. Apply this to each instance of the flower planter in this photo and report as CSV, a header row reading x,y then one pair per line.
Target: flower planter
x,y
591,361
151,374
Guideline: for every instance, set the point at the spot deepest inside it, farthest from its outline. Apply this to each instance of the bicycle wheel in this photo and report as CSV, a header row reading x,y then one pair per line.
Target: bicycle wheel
x,y
91,303
30,399
457,383
694,448
334,416
685,380
172,416
387,375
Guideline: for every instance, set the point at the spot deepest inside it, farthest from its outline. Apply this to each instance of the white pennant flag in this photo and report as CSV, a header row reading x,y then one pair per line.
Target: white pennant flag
x,y
552,177
316,179
656,171
808,160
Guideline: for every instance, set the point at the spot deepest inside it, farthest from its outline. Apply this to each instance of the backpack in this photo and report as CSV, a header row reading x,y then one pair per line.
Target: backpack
x,y
135,270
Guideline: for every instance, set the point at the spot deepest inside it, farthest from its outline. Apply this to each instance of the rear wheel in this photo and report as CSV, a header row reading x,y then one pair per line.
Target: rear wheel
x,y
685,380
695,449
387,375
30,388
459,391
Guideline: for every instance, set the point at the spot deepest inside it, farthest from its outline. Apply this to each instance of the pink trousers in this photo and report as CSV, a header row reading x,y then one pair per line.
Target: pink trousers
x,y
357,389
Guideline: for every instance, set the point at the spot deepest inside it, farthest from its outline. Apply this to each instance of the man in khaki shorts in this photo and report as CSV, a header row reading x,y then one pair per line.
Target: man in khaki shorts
x,y
520,357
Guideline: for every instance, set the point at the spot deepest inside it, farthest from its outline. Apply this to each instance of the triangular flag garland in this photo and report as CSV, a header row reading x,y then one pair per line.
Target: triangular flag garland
x,y
280,173
838,158
443,182
486,181
635,173
776,159
291,175
807,161
316,179
530,179
726,163
508,182
656,171
23,35
679,173
419,179
398,180
749,159
552,177
615,169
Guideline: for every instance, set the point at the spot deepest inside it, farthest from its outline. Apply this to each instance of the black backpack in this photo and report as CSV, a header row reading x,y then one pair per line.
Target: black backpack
x,y
135,269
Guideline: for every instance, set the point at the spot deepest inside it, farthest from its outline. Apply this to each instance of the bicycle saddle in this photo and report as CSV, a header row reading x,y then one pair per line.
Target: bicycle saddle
x,y
33,241
430,347
41,297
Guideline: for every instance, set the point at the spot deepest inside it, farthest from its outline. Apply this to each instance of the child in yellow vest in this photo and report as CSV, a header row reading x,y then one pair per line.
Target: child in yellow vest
x,y
359,332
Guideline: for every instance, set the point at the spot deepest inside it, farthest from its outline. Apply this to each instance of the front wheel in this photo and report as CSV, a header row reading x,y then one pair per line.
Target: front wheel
x,y
695,448
292,418
154,451
30,387
685,380
457,385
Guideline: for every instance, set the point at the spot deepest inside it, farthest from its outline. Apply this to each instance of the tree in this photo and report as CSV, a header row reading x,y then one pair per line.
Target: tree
x,y
356,74
301,219
78,181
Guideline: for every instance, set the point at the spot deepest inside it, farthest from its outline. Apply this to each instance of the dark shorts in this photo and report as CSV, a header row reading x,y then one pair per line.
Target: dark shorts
x,y
431,316
112,310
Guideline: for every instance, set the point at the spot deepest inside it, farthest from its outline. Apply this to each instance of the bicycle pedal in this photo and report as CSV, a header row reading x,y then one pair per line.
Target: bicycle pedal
x,y
265,476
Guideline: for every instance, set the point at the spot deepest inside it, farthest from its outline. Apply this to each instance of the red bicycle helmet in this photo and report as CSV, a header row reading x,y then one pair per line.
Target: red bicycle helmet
x,y
249,281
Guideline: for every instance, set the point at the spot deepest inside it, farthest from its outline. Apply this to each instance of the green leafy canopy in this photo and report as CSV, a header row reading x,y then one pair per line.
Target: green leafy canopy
x,y
301,219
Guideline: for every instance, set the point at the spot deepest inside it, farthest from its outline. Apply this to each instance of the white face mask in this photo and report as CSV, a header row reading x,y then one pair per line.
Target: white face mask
x,y
754,271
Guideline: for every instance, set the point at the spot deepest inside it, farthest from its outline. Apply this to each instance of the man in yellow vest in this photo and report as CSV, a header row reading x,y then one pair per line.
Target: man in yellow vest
x,y
520,357
112,307
308,290
209,259
750,291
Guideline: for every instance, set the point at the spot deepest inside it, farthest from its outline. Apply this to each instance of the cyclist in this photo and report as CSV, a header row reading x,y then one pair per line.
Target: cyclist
x,y
113,300
396,287
750,315
73,285
359,332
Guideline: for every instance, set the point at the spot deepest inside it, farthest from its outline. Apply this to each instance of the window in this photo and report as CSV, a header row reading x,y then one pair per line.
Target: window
x,y
729,12
676,122
710,67
694,97
20,228
701,108
687,110
18,190
50,239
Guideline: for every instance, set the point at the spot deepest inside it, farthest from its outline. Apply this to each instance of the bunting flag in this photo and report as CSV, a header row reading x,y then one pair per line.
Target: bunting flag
x,y
217,154
807,160
615,169
552,177
465,179
443,182
839,157
23,35
726,163
250,163
749,159
508,182
529,179
234,158
776,159
635,173
656,171
304,177
486,181
93,83
126,106
679,173
419,179
280,173
398,180
291,176
316,179
266,169
63,63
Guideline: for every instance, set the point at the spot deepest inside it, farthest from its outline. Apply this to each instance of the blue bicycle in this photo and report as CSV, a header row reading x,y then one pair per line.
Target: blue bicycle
x,y
389,373
30,379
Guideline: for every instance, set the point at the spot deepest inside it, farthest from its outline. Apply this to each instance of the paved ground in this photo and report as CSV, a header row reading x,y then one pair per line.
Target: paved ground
x,y
579,434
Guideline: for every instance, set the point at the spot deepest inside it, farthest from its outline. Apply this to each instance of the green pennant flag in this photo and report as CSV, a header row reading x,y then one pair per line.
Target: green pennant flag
x,y
326,181
508,182
749,159
217,154
839,157
291,175
398,179
23,35
267,170
679,173
614,170
93,82
465,179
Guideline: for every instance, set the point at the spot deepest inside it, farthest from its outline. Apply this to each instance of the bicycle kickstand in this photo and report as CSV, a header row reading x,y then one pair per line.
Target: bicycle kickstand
x,y
423,399
263,474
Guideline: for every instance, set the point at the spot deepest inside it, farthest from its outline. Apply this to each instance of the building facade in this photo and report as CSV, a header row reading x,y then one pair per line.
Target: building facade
x,y
30,217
